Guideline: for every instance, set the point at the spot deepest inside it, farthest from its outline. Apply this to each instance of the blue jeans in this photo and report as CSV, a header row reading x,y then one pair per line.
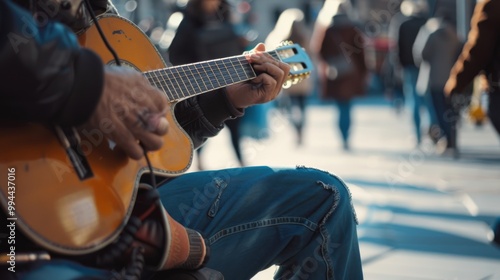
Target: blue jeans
x,y
447,117
300,219
345,108
416,101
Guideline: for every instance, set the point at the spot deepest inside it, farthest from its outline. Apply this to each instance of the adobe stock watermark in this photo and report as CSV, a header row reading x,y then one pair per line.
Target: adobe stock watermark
x,y
206,200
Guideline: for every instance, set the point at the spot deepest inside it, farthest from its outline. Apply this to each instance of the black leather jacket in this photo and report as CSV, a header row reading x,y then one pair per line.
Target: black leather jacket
x,y
47,77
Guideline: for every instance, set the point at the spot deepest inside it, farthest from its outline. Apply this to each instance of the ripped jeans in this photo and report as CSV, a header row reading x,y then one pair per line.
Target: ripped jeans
x,y
299,219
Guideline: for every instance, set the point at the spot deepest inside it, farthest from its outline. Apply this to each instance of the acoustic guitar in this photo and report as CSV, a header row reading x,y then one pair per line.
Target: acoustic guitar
x,y
74,193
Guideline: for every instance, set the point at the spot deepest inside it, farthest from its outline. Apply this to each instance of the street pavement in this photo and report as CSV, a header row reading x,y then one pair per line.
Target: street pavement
x,y
422,215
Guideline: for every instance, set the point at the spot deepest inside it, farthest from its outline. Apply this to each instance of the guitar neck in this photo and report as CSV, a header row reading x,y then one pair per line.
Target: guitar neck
x,y
184,81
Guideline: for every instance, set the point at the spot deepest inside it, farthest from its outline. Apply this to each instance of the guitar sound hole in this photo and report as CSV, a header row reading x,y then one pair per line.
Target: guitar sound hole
x,y
124,63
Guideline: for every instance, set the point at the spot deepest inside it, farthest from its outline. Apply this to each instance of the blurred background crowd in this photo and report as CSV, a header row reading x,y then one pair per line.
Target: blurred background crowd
x,y
372,49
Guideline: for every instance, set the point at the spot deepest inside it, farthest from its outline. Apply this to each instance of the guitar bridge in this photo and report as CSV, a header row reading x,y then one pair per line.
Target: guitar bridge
x,y
70,140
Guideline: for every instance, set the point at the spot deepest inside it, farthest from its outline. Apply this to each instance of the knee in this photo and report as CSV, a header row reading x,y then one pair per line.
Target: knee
x,y
331,190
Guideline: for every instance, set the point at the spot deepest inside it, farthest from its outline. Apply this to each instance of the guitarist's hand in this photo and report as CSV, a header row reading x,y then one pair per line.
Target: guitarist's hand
x,y
266,86
130,111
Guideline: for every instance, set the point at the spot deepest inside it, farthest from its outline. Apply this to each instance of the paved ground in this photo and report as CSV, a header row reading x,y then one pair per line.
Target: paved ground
x,y
422,215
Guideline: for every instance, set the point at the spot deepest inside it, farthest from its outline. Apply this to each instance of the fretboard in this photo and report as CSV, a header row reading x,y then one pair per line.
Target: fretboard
x,y
181,82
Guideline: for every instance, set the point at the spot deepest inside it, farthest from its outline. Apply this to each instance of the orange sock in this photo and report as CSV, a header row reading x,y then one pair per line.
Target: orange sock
x,y
184,248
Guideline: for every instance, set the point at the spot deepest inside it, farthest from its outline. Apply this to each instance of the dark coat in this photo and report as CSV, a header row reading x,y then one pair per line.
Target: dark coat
x,y
200,39
343,55
481,52
407,34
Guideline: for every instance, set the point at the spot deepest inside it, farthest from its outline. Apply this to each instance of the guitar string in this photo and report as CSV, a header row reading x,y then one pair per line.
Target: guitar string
x,y
175,75
225,74
164,77
205,65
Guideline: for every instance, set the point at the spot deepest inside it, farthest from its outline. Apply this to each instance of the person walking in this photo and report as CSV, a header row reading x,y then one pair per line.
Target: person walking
x,y
206,32
481,56
435,50
342,70
407,27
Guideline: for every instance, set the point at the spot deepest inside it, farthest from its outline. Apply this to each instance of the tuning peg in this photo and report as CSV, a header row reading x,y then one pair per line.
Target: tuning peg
x,y
286,43
287,84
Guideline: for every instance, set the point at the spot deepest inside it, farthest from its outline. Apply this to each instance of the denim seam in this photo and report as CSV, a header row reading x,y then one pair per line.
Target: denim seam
x,y
323,231
262,223
343,184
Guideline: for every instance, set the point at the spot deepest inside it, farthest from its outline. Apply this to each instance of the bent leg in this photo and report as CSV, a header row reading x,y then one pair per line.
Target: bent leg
x,y
301,219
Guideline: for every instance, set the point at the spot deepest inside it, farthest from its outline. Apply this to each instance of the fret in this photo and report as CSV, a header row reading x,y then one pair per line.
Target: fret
x,y
225,72
236,70
156,80
162,80
202,78
193,78
150,79
174,87
226,76
232,72
213,66
178,76
210,76
172,90
247,69
189,85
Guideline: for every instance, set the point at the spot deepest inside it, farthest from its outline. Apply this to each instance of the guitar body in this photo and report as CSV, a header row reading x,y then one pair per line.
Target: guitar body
x,y
48,201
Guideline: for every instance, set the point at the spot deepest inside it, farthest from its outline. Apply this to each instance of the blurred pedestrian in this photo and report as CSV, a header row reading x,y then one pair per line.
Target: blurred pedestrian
x,y
415,15
435,50
481,55
291,26
392,69
207,32
342,68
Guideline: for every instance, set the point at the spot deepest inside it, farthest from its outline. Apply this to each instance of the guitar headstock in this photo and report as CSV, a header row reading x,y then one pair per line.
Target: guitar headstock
x,y
299,61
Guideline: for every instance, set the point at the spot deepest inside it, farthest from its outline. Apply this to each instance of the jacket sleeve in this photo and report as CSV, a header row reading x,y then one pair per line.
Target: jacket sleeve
x,y
479,49
46,76
203,116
